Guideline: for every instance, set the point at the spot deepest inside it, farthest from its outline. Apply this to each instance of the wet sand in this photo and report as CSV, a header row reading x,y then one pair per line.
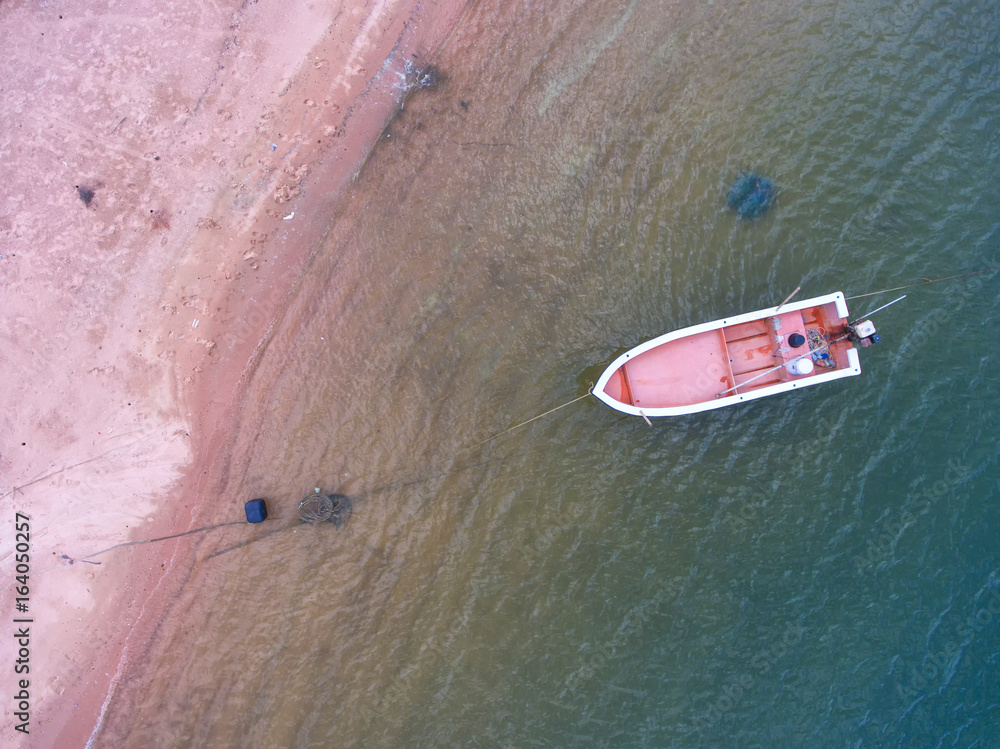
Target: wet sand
x,y
168,177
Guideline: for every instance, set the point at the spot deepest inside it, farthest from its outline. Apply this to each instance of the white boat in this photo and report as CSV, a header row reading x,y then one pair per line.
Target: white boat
x,y
738,359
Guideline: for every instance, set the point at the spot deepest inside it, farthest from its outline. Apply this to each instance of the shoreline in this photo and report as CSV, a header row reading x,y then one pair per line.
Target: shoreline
x,y
232,200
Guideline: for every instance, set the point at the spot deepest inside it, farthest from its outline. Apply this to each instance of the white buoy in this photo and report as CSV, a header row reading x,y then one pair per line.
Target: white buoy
x,y
801,366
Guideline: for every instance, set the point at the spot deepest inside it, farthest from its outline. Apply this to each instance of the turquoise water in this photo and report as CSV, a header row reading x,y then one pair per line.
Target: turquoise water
x,y
816,569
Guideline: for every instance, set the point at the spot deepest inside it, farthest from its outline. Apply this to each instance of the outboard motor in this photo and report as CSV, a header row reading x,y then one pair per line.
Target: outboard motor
x,y
863,333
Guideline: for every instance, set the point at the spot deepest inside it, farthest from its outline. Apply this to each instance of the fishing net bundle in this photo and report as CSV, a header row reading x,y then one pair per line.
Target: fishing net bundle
x,y
819,347
751,195
319,508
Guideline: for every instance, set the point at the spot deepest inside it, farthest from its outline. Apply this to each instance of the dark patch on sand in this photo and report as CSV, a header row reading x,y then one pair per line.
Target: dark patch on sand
x,y
86,194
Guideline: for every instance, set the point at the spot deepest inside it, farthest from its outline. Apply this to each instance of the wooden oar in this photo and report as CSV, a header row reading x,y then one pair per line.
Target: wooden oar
x,y
787,299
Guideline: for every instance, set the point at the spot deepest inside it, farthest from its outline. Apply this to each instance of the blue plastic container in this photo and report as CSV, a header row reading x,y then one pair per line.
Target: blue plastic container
x,y
256,511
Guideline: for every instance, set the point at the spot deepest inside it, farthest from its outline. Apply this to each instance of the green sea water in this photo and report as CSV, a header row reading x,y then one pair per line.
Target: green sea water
x,y
818,569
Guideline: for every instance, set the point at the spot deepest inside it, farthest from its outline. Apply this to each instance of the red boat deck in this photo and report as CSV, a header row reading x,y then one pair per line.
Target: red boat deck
x,y
688,370
697,368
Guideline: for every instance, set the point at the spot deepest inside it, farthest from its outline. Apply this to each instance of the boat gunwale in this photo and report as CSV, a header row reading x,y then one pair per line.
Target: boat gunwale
x,y
853,361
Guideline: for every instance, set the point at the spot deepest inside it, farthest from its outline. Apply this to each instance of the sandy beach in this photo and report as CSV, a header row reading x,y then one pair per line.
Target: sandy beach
x,y
233,265
168,175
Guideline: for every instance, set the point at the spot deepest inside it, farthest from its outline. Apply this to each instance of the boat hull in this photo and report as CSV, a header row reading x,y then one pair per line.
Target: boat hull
x,y
730,361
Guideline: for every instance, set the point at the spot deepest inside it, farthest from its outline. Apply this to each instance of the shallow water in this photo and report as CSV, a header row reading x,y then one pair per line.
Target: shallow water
x,y
816,569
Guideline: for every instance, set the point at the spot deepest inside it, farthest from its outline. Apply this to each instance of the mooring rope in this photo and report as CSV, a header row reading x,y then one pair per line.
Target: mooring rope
x,y
164,538
86,559
403,483
924,282
474,445
590,391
